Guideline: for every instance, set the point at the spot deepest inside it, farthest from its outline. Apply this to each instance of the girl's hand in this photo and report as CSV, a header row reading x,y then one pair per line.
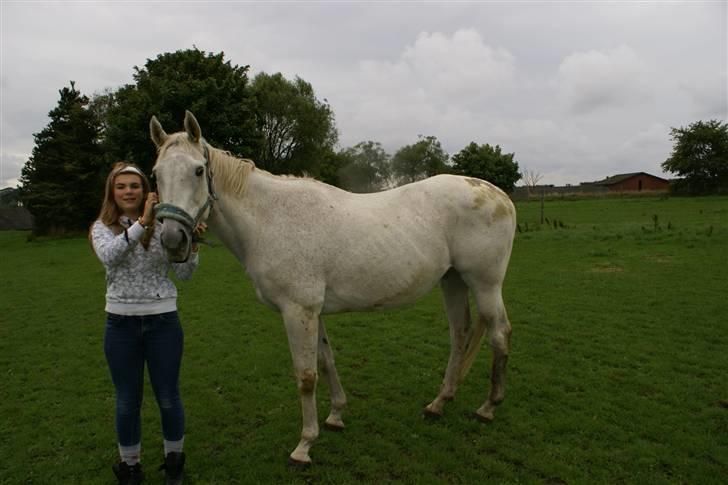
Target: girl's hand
x,y
199,231
148,214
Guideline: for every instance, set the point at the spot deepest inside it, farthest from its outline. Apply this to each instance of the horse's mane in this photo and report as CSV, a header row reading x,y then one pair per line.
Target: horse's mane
x,y
230,172
233,172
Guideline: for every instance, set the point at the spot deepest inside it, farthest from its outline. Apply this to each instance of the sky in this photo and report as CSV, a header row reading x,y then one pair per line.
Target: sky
x,y
578,91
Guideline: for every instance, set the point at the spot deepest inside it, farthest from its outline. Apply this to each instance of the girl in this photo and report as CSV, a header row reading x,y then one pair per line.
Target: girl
x,y
142,325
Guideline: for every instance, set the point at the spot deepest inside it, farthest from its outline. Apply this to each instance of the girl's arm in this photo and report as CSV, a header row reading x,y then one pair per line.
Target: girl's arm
x,y
184,270
111,248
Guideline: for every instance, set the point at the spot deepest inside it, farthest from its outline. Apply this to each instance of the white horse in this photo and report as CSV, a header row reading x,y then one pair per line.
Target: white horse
x,y
313,249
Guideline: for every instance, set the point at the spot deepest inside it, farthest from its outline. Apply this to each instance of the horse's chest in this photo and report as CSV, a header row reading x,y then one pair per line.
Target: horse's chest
x,y
265,299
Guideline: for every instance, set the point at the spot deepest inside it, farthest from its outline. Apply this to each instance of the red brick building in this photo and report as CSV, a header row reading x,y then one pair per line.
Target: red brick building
x,y
634,182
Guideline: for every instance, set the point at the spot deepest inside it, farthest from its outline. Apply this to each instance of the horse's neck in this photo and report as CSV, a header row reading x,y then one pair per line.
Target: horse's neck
x,y
235,220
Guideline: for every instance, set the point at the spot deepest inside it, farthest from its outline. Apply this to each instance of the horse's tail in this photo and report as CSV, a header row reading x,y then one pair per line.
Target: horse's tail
x,y
477,331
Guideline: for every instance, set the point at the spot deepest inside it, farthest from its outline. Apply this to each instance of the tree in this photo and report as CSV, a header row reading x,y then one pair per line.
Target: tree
x,y
700,157
366,168
531,178
420,160
10,197
217,92
487,163
100,104
62,180
329,167
297,129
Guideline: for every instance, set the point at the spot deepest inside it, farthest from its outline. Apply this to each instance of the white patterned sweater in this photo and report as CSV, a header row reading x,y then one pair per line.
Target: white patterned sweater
x,y
137,281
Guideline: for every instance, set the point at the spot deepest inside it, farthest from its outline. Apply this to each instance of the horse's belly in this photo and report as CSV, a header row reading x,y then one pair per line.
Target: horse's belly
x,y
385,290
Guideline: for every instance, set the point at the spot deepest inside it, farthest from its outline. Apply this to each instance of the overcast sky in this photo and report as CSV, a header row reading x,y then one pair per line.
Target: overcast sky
x,y
577,90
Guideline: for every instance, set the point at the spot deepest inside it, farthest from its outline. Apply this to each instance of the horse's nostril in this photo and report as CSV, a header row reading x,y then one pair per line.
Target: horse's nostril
x,y
174,236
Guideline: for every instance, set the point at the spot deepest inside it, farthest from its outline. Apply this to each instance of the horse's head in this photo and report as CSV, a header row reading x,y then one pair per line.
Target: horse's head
x,y
184,184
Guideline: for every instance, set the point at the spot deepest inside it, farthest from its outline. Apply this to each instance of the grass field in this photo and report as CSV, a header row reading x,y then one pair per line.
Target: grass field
x,y
618,370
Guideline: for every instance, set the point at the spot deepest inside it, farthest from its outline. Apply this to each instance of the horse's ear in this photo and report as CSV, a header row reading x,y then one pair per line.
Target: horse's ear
x,y
157,132
192,127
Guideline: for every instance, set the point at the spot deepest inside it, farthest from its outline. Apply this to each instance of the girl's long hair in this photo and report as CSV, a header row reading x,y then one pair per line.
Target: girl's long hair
x,y
110,212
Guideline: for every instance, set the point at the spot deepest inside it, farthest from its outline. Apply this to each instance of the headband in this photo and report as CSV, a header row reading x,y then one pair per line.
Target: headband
x,y
130,169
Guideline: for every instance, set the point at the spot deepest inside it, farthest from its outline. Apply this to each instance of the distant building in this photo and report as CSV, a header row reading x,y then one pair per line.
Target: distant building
x,y
12,213
623,183
15,218
633,182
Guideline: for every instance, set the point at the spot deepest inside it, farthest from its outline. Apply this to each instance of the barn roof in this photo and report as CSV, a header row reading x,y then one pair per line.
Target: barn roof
x,y
615,179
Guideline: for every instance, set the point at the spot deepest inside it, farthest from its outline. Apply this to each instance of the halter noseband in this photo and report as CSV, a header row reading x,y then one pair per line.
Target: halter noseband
x,y
171,211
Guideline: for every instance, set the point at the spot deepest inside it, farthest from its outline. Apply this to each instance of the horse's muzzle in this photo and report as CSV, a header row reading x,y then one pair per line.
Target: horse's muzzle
x,y
176,240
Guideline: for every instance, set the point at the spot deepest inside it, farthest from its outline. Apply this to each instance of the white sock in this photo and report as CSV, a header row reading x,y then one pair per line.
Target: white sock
x,y
130,454
176,446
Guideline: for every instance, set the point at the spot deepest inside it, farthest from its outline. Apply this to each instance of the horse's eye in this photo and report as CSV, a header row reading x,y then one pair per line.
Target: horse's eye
x,y
199,171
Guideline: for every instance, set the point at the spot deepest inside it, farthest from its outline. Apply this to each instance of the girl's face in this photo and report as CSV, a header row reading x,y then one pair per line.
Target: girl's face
x,y
128,193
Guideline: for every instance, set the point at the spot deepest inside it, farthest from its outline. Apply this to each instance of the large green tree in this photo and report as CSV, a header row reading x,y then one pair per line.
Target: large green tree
x,y
298,130
366,167
217,92
420,160
488,163
61,181
700,157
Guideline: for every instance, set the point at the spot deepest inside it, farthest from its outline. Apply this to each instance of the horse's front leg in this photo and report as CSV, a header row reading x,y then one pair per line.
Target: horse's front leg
x,y
302,329
328,368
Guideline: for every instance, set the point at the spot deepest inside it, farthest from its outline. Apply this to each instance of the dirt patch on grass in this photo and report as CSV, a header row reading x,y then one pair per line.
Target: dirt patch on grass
x,y
658,258
606,268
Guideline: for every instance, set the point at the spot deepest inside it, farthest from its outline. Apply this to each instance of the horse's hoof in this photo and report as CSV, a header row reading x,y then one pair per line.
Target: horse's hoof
x,y
481,418
297,464
430,415
334,427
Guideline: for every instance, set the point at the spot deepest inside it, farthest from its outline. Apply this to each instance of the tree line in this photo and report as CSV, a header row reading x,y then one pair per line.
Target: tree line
x,y
277,122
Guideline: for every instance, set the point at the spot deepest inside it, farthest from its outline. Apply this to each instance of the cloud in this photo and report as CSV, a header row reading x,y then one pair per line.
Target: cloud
x,y
578,92
592,80
557,149
645,151
438,67
461,64
436,82
708,95
10,166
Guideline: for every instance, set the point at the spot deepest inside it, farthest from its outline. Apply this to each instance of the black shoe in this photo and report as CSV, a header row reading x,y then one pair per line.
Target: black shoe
x,y
173,465
128,475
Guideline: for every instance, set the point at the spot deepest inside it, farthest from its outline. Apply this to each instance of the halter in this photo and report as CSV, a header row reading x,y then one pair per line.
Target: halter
x,y
171,211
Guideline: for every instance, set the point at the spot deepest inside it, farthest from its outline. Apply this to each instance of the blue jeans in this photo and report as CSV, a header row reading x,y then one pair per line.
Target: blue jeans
x,y
129,342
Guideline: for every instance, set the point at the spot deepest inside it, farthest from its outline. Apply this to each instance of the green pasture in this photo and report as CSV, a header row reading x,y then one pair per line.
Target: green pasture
x,y
618,370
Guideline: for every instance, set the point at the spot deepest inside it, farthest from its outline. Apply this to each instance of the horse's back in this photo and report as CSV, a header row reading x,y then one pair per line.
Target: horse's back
x,y
453,206
399,243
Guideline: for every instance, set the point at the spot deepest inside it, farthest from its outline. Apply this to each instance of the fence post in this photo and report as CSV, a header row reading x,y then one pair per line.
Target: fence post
x,y
543,192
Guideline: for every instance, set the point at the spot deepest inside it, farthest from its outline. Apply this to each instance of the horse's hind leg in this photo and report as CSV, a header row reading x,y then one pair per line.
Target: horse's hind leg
x,y
327,367
302,328
464,339
492,312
